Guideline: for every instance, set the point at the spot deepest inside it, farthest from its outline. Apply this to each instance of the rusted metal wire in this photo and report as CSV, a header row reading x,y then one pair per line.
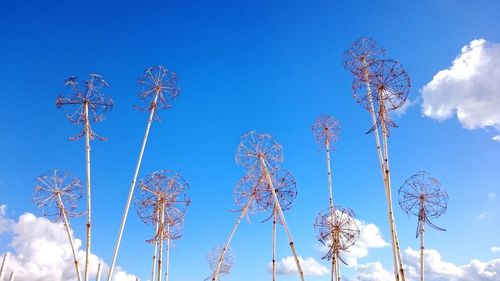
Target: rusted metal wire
x,y
326,130
285,188
254,147
223,267
362,52
56,195
421,195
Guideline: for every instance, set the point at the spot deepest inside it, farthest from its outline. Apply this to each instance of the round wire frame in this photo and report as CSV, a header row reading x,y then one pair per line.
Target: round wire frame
x,y
253,147
248,188
391,82
326,127
285,188
47,188
360,54
343,226
165,190
158,79
227,262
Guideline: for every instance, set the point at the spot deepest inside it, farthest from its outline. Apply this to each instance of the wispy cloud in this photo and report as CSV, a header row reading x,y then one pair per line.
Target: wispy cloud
x,y
492,196
287,266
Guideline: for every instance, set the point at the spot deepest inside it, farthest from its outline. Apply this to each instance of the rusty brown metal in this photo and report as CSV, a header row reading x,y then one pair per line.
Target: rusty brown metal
x,y
224,266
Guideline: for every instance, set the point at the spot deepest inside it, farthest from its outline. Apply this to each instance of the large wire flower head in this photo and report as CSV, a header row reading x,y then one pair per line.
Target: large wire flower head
x,y
338,234
158,88
78,96
248,188
326,128
254,147
52,184
227,261
163,191
285,187
421,195
390,82
360,54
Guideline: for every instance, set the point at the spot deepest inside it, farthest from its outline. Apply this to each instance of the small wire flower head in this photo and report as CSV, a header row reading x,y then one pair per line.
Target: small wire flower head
x,y
227,262
163,191
285,187
79,96
339,234
326,129
248,188
421,195
363,52
158,88
254,147
391,82
52,184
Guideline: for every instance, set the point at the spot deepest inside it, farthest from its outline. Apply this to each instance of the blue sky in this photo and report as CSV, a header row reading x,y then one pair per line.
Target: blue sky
x,y
270,66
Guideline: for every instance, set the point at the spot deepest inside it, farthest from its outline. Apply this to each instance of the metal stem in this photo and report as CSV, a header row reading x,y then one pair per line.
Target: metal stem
x,y
160,246
98,275
12,276
274,243
67,227
132,185
5,261
422,231
167,261
153,270
89,202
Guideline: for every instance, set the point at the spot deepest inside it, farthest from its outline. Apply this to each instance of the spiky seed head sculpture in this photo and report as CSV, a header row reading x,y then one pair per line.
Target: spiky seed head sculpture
x,y
421,195
227,263
78,96
326,129
253,147
163,190
364,51
52,184
248,188
158,88
285,188
338,234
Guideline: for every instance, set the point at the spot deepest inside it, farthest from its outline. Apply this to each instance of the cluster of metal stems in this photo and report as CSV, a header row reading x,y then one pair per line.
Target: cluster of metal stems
x,y
380,86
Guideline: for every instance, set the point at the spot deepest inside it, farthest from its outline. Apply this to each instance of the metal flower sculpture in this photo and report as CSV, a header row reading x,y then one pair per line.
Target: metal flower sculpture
x,y
337,234
421,195
379,86
88,105
163,202
157,89
57,194
222,267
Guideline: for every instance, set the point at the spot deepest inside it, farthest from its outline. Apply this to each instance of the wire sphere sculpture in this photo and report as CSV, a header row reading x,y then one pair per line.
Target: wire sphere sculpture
x,y
254,147
158,88
421,195
326,128
52,184
163,191
338,234
248,188
285,188
78,96
362,52
227,262
391,82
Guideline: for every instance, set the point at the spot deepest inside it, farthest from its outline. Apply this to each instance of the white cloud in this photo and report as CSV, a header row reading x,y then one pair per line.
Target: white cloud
x,y
492,196
495,249
310,266
496,138
469,89
435,269
483,216
41,251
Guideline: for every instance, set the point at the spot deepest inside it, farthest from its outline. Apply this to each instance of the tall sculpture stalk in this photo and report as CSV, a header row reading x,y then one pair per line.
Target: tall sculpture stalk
x,y
5,262
159,87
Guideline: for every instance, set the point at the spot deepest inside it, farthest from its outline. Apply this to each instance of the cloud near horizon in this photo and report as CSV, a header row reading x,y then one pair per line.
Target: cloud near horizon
x,y
469,88
41,251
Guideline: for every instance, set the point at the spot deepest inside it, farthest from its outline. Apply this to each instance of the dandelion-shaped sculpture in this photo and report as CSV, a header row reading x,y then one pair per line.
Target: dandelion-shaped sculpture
x,y
222,267
158,88
260,154
285,188
337,234
88,105
421,195
56,195
391,85
163,202
246,193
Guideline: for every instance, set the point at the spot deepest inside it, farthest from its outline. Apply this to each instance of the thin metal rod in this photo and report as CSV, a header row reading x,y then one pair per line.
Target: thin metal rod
x,y
167,259
5,261
384,175
160,251
282,216
132,186
67,227
98,275
153,270
274,242
89,202
422,231
330,190
233,231
336,255
12,276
